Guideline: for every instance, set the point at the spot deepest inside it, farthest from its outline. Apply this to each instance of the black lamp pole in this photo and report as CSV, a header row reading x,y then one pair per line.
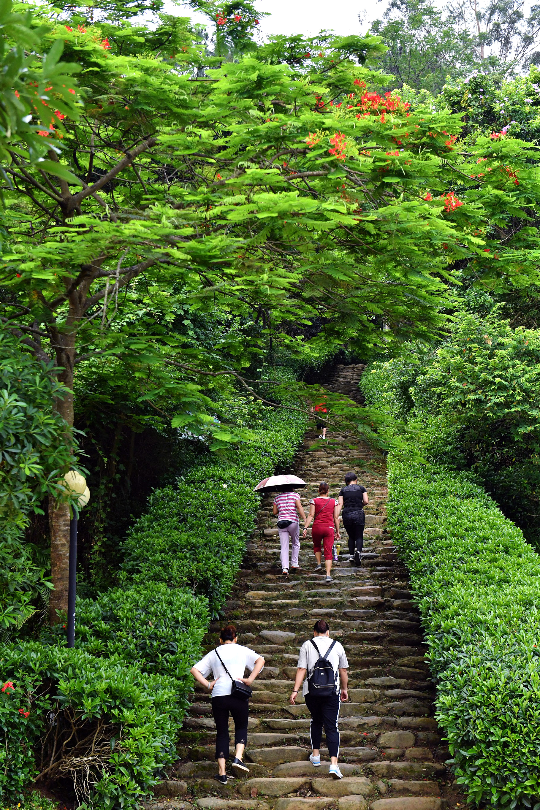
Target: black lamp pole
x,y
72,590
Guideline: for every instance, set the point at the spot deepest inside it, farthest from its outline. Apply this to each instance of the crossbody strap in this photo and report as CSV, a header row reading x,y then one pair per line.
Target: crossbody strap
x,y
322,510
223,665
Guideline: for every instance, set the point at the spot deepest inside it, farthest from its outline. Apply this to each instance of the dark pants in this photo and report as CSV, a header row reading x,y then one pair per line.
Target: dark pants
x,y
354,523
324,712
222,706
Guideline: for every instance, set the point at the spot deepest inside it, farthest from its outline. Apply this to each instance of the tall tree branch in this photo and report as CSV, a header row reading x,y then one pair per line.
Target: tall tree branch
x,y
76,199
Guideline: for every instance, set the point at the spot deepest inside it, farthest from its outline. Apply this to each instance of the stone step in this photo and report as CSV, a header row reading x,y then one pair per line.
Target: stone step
x,y
321,784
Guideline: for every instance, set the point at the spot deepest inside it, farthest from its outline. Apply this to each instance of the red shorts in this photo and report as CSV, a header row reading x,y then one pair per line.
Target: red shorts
x,y
323,535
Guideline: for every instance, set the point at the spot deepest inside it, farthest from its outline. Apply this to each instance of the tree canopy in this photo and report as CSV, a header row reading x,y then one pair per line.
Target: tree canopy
x,y
275,190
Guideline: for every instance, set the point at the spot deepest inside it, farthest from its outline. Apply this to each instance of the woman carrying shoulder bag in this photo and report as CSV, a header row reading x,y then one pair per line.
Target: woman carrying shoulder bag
x,y
230,693
323,512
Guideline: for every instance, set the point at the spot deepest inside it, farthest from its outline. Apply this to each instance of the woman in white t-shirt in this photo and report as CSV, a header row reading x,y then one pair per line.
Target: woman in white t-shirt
x,y
227,664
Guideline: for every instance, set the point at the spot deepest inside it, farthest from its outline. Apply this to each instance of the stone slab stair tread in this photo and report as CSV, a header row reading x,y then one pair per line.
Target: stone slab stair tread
x,y
392,755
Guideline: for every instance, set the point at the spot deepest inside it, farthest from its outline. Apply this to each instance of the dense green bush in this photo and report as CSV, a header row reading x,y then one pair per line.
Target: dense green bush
x,y
476,582
33,448
194,535
154,626
472,402
104,723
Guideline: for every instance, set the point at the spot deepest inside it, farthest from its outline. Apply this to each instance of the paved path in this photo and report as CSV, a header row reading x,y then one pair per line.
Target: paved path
x,y
391,751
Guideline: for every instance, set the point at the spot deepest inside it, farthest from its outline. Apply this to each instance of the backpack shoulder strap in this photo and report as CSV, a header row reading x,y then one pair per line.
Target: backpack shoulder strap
x,y
318,653
327,653
223,665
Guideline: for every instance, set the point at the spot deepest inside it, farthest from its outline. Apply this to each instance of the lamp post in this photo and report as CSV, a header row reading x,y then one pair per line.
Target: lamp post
x,y
76,483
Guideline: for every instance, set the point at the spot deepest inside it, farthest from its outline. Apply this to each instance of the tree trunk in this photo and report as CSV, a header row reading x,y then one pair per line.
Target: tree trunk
x,y
59,528
59,518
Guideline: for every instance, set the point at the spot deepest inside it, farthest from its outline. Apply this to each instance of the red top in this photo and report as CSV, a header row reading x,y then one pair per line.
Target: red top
x,y
324,512
321,407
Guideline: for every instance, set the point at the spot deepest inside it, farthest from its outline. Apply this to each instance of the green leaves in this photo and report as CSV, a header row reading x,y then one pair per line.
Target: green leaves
x,y
165,544
34,87
475,581
56,169
33,453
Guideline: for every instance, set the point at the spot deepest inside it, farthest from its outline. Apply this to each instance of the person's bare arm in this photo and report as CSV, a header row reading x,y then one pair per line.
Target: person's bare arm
x,y
275,510
344,682
366,499
339,506
300,675
259,664
201,679
300,509
336,518
310,517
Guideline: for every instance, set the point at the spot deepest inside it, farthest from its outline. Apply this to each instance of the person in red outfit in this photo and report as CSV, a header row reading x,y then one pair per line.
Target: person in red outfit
x,y
321,410
323,515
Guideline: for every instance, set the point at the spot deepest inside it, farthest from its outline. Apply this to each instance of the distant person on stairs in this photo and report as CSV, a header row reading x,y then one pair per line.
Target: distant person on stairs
x,y
323,513
324,661
287,506
228,664
321,411
351,501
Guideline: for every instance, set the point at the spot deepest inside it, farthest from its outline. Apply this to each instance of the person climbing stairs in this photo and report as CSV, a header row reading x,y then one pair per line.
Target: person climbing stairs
x,y
392,754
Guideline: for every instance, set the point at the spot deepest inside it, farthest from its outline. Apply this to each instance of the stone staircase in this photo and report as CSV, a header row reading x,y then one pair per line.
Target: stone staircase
x,y
392,756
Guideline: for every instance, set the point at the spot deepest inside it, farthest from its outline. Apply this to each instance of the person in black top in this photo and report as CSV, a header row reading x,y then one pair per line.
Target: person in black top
x,y
351,501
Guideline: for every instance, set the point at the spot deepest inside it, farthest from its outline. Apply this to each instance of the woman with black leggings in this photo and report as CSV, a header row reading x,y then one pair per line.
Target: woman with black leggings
x,y
228,663
351,501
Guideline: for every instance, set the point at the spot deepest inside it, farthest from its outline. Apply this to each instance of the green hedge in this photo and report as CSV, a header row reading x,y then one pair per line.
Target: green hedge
x,y
476,582
194,535
154,626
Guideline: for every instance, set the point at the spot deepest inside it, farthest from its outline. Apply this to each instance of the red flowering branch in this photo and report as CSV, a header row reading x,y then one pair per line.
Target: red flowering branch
x,y
339,144
451,202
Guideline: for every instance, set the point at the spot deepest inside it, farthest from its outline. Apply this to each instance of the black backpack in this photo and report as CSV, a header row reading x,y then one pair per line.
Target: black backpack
x,y
322,681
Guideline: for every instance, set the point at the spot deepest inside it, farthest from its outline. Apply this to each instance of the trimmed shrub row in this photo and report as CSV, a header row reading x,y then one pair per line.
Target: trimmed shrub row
x,y
124,690
194,535
476,583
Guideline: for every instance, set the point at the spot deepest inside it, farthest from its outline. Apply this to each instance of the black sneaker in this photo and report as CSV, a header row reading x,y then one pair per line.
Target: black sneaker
x,y
221,779
357,559
237,763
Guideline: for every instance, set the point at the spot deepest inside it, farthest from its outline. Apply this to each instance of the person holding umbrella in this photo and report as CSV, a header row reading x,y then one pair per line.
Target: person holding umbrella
x,y
287,508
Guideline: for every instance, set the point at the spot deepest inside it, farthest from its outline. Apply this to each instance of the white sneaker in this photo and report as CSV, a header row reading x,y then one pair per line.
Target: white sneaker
x,y
316,761
335,772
